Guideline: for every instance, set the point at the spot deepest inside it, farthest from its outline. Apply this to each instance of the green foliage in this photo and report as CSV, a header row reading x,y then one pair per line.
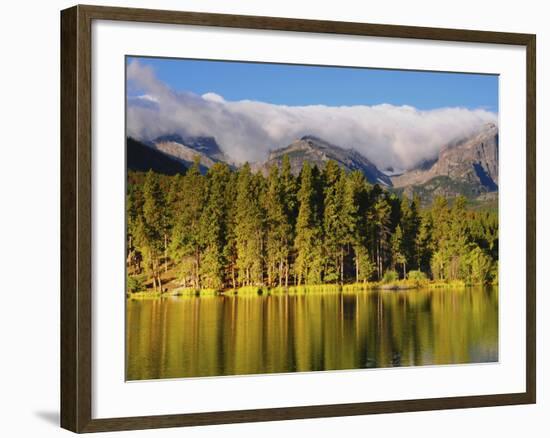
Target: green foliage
x,y
213,227
380,216
186,243
278,228
239,229
250,227
424,242
390,276
365,267
417,276
308,265
397,248
431,189
437,264
478,266
151,226
358,204
135,283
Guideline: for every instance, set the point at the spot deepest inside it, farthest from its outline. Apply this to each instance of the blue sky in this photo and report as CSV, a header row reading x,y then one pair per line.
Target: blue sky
x,y
294,85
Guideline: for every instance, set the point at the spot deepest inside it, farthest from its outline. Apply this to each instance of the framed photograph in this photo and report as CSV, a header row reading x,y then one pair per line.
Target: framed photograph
x,y
270,218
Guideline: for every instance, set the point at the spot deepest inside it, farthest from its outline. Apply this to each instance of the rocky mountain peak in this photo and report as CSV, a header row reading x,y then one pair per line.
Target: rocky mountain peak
x,y
466,166
185,149
318,151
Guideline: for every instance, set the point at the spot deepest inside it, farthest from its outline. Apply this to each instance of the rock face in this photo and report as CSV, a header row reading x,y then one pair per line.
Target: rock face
x,y
204,145
185,150
317,152
468,167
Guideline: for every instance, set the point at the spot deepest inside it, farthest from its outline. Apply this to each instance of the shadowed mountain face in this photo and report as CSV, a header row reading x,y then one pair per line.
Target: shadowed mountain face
x,y
204,146
185,150
466,167
317,152
140,157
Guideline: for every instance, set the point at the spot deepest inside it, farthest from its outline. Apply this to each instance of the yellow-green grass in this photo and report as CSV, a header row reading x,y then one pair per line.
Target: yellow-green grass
x,y
180,292
396,285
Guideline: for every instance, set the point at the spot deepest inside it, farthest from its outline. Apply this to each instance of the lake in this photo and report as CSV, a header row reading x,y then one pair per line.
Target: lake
x,y
334,330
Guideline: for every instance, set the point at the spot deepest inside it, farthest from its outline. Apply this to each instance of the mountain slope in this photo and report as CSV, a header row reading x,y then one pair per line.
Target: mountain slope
x,y
186,149
143,158
317,152
468,167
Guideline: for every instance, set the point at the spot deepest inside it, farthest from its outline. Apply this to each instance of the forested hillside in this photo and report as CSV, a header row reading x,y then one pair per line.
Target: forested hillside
x,y
234,228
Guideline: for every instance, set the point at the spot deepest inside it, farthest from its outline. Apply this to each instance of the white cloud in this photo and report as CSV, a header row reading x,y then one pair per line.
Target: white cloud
x,y
213,97
148,97
398,136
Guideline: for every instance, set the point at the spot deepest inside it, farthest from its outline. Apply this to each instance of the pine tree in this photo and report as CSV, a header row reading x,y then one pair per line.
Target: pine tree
x,y
232,228
186,246
440,219
337,221
134,216
308,264
397,247
380,216
424,243
213,227
357,205
410,225
153,226
456,245
275,230
174,199
249,227
230,253
289,191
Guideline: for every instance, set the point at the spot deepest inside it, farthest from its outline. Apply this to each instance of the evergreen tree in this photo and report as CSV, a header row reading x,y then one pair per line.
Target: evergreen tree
x,y
249,227
424,243
440,220
232,228
289,191
214,227
357,205
337,221
276,228
174,199
308,231
381,219
153,226
410,226
186,242
398,253
230,253
456,245
134,216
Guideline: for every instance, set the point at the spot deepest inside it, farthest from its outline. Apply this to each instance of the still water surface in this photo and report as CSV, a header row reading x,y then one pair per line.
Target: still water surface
x,y
228,335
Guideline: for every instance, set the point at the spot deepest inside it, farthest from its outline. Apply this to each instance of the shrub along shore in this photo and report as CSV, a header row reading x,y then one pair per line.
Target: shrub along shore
x,y
395,285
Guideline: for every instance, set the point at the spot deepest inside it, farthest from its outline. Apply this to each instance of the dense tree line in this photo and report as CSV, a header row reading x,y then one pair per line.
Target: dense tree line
x,y
228,229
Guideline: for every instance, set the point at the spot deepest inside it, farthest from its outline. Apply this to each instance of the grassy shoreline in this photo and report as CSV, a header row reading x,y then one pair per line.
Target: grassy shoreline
x,y
398,285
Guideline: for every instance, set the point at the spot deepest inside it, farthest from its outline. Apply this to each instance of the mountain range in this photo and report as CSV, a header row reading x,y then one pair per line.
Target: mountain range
x,y
318,151
466,166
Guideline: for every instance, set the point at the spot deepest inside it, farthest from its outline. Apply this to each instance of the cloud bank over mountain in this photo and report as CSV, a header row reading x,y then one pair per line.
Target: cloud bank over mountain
x,y
397,136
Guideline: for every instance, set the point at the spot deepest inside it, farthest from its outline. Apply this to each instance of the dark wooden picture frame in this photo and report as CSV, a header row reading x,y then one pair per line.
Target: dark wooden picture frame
x,y
76,218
